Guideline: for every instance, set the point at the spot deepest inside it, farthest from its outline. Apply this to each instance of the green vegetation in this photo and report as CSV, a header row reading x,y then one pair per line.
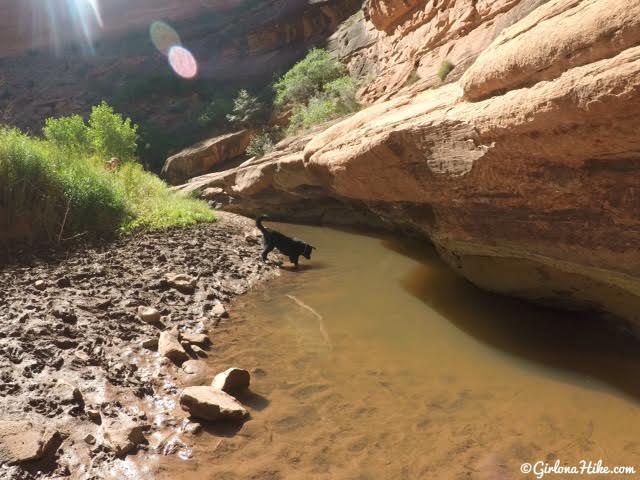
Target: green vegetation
x,y
445,68
107,134
247,111
261,144
307,78
60,185
316,89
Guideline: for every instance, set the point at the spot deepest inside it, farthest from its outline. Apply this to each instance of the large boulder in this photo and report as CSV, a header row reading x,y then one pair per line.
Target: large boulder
x,y
209,403
204,156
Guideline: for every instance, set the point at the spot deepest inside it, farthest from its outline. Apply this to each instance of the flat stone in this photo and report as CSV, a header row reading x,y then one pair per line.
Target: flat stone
x,y
211,404
232,380
22,441
123,436
182,282
199,339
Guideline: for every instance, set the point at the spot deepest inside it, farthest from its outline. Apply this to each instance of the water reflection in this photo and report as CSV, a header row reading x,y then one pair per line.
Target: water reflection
x,y
572,342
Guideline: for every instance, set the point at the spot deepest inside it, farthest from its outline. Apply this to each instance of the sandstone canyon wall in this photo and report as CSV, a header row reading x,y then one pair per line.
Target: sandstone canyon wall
x,y
524,173
48,68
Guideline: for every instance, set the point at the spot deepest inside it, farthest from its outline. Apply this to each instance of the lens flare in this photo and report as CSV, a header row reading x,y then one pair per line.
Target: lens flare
x,y
163,37
183,62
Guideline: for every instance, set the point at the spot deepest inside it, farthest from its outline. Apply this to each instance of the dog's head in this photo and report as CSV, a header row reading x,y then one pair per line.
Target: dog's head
x,y
307,251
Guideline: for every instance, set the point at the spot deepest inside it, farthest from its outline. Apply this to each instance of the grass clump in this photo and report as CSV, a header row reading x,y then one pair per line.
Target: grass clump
x,y
153,206
445,68
60,188
316,89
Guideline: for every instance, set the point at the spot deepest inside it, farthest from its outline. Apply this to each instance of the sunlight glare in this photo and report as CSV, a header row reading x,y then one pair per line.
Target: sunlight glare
x,y
164,37
183,62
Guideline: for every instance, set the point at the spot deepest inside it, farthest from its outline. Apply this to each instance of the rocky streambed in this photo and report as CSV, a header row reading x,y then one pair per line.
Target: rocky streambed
x,y
93,342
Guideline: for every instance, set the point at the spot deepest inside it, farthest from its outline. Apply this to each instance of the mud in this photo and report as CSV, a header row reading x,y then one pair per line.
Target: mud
x,y
71,345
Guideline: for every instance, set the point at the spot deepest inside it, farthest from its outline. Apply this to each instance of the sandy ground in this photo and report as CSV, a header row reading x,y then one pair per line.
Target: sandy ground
x,y
73,370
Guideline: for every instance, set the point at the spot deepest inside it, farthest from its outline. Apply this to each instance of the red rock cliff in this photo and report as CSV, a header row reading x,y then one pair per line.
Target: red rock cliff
x,y
525,173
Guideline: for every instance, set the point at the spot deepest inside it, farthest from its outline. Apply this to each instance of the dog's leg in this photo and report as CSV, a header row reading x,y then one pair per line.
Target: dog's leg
x,y
294,260
266,251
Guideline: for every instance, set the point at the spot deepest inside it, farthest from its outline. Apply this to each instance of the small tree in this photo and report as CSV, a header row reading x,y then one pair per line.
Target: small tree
x,y
246,110
110,134
68,132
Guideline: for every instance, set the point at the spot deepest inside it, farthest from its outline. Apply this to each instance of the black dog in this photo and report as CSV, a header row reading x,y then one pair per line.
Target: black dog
x,y
291,247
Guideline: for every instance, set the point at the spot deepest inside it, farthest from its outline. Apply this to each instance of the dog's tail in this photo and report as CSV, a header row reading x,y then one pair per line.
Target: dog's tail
x,y
259,222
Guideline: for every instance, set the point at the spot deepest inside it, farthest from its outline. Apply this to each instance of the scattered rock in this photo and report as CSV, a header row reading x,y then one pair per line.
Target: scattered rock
x,y
169,346
149,315
232,380
211,404
199,339
90,439
123,436
63,282
192,428
199,351
253,237
64,312
67,393
219,311
182,282
82,357
22,441
40,284
94,416
150,344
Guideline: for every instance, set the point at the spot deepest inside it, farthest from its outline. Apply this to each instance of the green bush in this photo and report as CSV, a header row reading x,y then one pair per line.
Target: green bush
x,y
307,78
445,68
70,132
60,186
107,134
317,89
247,110
110,134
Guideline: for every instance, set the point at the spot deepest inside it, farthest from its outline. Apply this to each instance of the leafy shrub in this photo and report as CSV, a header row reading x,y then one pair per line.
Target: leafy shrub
x,y
445,68
307,77
317,89
107,134
69,132
110,134
60,186
337,99
261,144
247,110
